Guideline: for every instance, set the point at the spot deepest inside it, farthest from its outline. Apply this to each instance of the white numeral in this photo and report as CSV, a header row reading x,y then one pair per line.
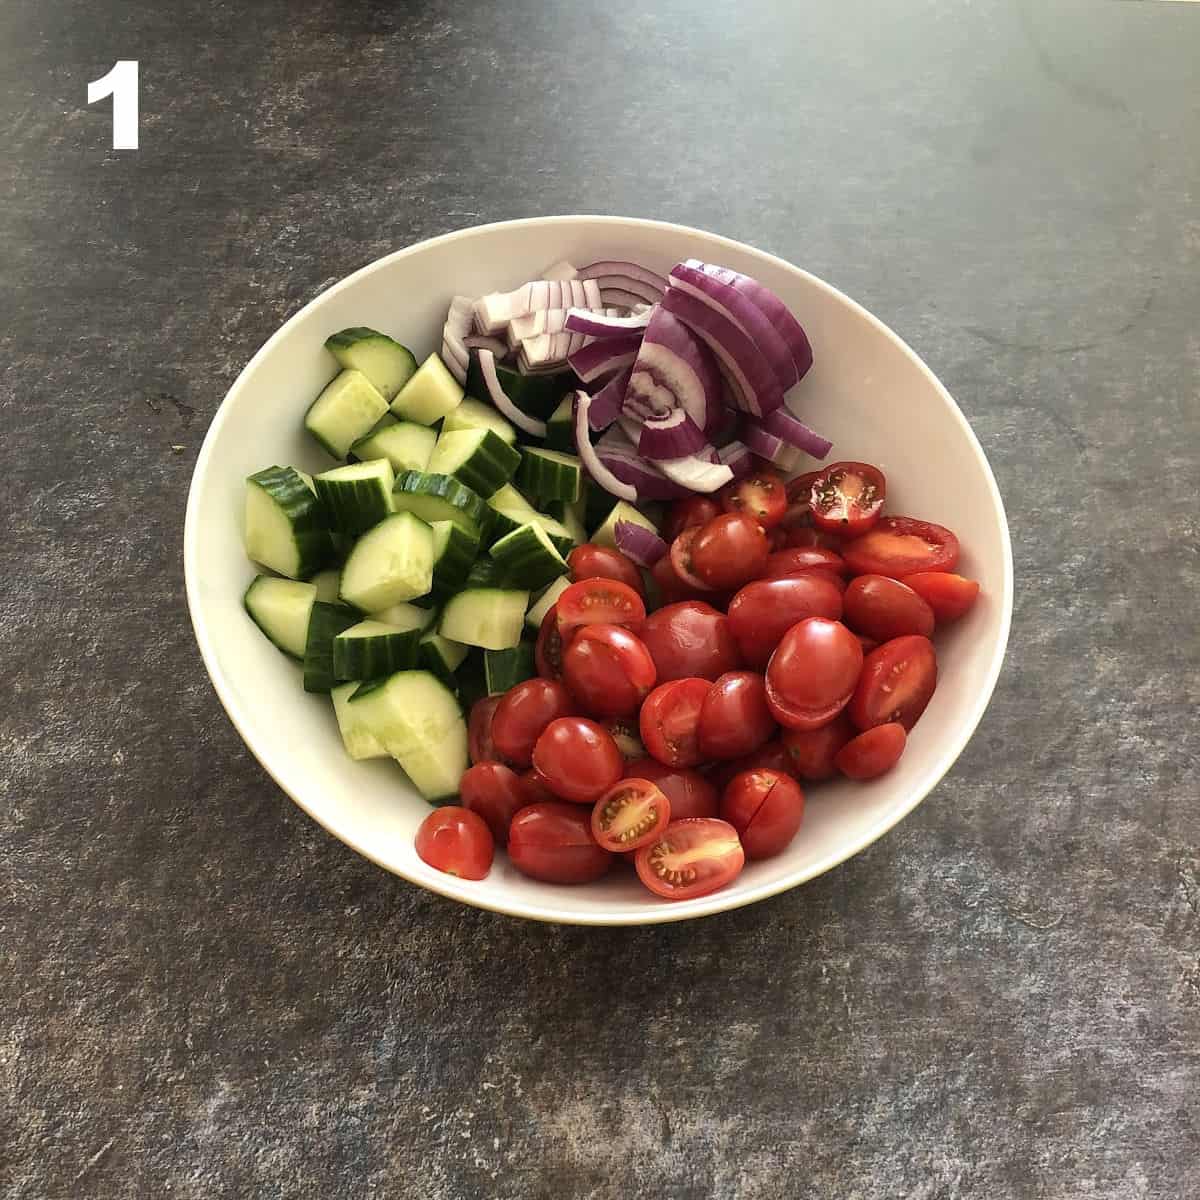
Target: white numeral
x,y
121,83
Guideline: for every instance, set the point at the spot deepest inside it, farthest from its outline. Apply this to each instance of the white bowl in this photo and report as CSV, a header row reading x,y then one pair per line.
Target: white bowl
x,y
866,390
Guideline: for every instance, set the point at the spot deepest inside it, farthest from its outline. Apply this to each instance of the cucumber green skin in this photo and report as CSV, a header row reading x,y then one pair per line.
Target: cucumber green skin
x,y
326,622
464,507
490,467
460,620
536,395
522,558
308,516
504,669
353,505
560,429
354,591
486,572
429,658
369,658
452,567
340,450
546,479
342,346
597,504
248,604
472,685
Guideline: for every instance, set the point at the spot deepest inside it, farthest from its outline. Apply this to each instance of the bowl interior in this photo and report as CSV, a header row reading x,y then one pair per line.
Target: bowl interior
x,y
866,390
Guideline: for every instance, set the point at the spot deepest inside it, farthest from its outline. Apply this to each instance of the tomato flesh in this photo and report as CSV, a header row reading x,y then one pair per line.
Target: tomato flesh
x,y
729,551
578,759
690,638
599,602
690,793
873,752
761,495
898,679
590,561
523,712
811,752
553,842
495,792
608,670
548,652
670,721
456,841
900,546
630,814
813,673
766,808
950,596
763,611
884,608
681,560
847,498
734,717
691,858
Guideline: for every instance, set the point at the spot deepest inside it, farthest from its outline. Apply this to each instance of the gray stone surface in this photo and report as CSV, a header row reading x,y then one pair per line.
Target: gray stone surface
x,y
202,994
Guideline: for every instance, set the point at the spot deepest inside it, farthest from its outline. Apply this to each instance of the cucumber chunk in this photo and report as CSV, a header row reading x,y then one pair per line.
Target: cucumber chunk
x,y
386,363
389,563
560,428
474,414
488,617
349,407
416,718
440,498
281,609
503,669
429,395
480,458
359,741
286,526
324,624
550,475
538,610
454,551
405,444
328,584
528,556
605,535
441,656
374,648
357,496
536,395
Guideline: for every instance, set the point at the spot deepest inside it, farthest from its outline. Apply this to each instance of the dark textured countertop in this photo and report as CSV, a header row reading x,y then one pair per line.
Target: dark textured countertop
x,y
202,994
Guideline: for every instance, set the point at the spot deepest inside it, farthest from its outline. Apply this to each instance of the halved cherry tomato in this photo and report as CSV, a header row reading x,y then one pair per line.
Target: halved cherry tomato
x,y
847,498
672,589
578,759
684,514
734,718
948,595
691,858
690,638
729,551
534,789
771,757
493,791
627,735
897,681
760,495
799,495
630,814
884,608
872,753
812,674
608,670
801,537
811,752
766,809
799,560
670,721
599,602
681,559
554,843
456,841
900,546
548,652
590,561
479,729
523,712
690,793
763,611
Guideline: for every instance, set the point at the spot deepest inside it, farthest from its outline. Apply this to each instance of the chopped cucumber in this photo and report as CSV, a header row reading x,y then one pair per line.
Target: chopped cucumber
x,y
537,611
357,496
389,563
436,498
528,556
287,527
405,444
386,363
429,395
359,741
550,475
348,407
403,616
328,585
324,624
374,648
474,414
569,517
480,458
560,428
486,572
487,617
281,609
597,504
416,718
454,550
441,656
605,535
536,395
503,669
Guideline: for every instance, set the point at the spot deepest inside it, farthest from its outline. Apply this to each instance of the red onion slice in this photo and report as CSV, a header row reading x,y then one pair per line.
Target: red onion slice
x,y
755,388
603,357
487,367
673,370
621,457
786,426
725,299
606,403
738,458
638,543
696,473
600,325
623,298
591,460
674,436
765,445
481,341
628,270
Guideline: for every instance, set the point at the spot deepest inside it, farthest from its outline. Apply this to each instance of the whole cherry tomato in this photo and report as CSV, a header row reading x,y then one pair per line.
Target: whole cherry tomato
x,y
811,752
884,608
479,729
554,843
547,654
734,718
729,551
608,670
578,759
766,809
813,672
534,789
689,512
690,793
493,791
803,559
590,561
763,611
771,757
523,712
690,638
681,560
